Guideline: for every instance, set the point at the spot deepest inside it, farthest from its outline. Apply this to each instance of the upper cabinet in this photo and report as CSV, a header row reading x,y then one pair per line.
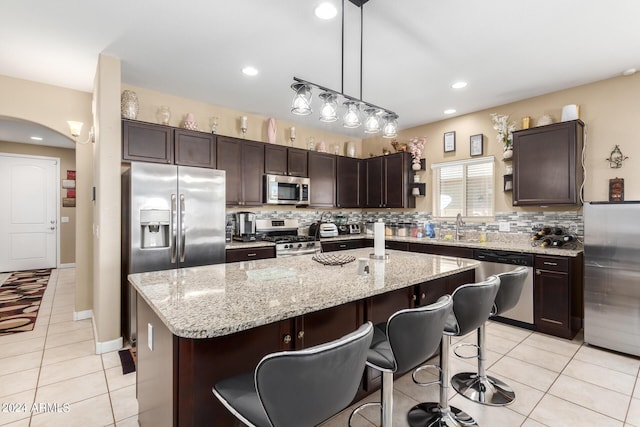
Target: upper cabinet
x,y
243,162
280,160
348,182
322,174
146,142
387,181
546,164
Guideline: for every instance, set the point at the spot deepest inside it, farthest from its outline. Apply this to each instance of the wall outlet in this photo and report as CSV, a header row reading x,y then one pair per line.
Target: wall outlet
x,y
504,226
64,219
150,336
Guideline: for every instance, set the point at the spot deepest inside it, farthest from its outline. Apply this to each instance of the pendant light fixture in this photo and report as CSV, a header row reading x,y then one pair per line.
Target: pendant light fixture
x,y
377,118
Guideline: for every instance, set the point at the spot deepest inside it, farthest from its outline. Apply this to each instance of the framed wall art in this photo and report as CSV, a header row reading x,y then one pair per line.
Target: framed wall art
x,y
449,141
475,145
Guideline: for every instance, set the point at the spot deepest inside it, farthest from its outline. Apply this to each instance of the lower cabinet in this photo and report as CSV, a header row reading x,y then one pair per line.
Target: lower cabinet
x,y
250,254
454,251
343,245
557,292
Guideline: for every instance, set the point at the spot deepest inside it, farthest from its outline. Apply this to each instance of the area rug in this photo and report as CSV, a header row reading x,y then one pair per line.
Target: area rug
x,y
20,297
128,360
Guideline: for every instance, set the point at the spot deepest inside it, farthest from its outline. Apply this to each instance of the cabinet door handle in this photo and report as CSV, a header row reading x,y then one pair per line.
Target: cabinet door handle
x,y
300,335
551,321
414,298
252,254
343,246
286,339
550,263
423,296
538,272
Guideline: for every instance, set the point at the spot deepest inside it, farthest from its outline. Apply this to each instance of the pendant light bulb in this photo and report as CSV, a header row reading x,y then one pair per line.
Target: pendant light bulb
x,y
372,122
301,104
390,129
329,109
351,119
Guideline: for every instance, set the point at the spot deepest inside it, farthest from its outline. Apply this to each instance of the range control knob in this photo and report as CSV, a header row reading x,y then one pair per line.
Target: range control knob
x,y
299,245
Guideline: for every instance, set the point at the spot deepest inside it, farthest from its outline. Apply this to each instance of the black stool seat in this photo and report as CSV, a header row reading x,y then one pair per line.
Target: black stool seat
x,y
299,388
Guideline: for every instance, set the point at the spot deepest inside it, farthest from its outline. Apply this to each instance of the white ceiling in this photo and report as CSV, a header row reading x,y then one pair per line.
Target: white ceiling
x,y
413,49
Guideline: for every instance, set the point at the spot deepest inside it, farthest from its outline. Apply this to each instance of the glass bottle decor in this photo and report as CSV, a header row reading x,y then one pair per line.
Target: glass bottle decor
x,y
163,115
129,104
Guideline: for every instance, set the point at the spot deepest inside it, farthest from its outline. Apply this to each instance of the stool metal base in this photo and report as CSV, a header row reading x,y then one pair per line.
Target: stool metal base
x,y
487,390
432,415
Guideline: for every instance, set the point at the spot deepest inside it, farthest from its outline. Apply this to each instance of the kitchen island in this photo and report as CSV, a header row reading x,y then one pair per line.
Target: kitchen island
x,y
199,325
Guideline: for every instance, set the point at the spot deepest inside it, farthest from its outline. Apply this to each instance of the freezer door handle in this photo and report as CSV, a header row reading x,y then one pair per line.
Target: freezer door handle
x,y
182,230
173,241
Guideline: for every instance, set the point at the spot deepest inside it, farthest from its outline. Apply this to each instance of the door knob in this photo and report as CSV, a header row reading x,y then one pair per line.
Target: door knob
x,y
52,228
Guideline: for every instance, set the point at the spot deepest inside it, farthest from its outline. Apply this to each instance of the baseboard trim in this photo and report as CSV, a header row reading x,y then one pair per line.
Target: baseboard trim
x,y
68,265
108,346
82,315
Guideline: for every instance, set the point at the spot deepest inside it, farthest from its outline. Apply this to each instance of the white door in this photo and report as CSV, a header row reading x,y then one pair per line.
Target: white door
x,y
28,212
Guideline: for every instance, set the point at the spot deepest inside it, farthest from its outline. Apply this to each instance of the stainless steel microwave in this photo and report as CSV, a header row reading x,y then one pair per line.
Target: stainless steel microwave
x,y
286,190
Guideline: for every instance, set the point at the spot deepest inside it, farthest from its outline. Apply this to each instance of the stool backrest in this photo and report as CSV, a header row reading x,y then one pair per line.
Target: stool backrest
x,y
473,304
415,334
306,387
511,285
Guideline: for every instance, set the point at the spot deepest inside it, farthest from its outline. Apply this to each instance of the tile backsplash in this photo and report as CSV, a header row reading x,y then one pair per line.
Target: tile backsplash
x,y
516,222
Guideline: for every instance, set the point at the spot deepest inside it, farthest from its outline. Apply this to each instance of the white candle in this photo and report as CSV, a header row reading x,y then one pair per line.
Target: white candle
x,y
293,132
243,122
378,239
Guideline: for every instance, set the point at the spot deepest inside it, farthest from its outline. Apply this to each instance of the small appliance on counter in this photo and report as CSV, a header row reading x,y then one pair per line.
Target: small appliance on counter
x,y
245,227
354,228
341,223
323,229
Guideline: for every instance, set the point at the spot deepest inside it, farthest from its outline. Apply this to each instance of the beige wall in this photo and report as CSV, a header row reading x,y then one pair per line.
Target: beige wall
x,y
107,214
53,106
229,121
67,162
609,109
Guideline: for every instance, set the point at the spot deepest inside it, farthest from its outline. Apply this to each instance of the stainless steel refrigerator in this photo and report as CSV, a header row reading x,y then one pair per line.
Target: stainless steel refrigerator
x,y
612,276
173,217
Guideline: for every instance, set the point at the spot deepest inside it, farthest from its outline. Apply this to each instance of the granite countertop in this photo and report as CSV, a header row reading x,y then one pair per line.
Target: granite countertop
x,y
510,243
216,300
234,244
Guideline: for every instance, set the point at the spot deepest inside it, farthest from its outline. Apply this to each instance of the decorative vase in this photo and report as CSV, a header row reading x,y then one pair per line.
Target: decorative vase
x,y
129,104
271,131
163,115
507,154
415,191
416,178
415,166
322,147
189,122
351,149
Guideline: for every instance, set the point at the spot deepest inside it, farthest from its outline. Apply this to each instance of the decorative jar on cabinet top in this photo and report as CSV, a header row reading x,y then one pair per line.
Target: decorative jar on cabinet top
x,y
129,104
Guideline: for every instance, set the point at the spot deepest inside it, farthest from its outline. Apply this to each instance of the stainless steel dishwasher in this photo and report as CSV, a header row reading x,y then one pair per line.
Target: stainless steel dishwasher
x,y
495,262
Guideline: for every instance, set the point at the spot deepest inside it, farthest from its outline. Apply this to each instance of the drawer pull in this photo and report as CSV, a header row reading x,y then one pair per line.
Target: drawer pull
x,y
286,339
423,296
300,335
551,321
252,254
414,297
343,246
550,263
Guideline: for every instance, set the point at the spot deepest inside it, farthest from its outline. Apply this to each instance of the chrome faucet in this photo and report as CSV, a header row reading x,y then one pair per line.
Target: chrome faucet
x,y
459,224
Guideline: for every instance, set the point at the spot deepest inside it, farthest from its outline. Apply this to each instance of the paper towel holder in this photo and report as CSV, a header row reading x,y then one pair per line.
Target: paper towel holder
x,y
379,257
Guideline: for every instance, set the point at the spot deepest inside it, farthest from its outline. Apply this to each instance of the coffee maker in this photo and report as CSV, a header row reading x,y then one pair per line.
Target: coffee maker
x,y
245,227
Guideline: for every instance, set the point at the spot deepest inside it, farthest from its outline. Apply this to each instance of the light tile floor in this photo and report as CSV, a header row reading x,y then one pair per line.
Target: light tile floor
x,y
558,382
51,376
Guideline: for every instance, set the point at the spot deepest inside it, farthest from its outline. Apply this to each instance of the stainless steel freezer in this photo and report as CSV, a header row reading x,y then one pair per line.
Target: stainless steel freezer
x,y
612,276
173,217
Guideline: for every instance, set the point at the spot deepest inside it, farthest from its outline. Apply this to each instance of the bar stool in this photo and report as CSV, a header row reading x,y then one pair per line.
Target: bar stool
x,y
299,388
407,339
478,386
472,304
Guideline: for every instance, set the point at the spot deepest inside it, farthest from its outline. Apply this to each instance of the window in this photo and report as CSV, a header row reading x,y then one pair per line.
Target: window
x,y
464,186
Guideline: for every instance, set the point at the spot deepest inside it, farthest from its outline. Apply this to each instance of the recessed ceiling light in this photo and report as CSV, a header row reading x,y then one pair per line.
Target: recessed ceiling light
x,y
629,72
450,111
326,10
250,71
459,85
36,138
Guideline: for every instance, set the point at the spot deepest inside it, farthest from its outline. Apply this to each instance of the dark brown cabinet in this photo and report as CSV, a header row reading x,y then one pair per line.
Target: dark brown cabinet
x,y
343,245
387,182
557,290
546,164
146,142
192,148
280,160
243,162
429,292
322,174
250,254
453,251
348,182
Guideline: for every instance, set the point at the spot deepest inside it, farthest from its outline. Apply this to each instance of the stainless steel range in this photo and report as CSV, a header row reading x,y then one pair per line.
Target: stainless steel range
x,y
284,233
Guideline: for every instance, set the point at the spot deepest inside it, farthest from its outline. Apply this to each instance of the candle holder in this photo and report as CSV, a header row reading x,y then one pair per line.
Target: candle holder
x,y
292,135
243,125
214,125
292,139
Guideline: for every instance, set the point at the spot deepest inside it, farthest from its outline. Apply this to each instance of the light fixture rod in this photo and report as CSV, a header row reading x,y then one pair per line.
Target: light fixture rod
x,y
342,60
361,23
350,98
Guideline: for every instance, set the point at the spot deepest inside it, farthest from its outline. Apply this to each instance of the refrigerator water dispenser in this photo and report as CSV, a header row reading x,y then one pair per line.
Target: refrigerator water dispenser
x,y
155,228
